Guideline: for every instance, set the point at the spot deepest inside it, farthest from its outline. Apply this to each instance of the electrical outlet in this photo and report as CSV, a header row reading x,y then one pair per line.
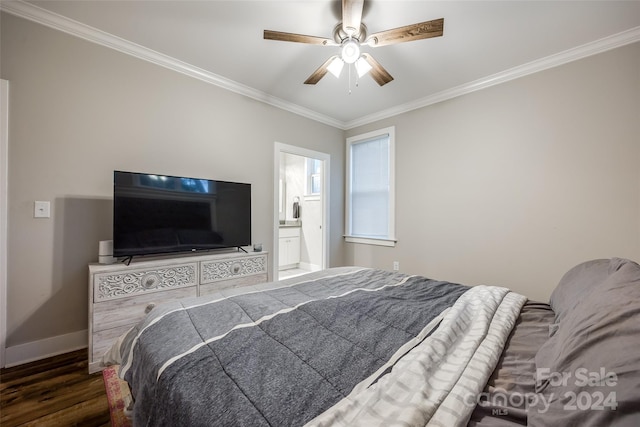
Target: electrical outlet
x,y
396,265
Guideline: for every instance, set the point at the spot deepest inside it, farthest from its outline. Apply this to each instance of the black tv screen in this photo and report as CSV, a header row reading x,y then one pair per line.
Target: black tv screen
x,y
157,214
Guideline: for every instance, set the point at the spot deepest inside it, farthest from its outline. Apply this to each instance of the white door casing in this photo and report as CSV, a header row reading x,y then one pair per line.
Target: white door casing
x,y
4,165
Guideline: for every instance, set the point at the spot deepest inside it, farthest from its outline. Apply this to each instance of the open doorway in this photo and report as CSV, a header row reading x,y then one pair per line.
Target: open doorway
x,y
300,211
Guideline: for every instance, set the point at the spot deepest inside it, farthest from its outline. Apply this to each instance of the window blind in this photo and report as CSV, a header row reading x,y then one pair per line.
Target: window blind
x,y
370,181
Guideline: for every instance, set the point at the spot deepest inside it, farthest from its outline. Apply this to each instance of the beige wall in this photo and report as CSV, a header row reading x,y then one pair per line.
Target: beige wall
x,y
515,184
77,112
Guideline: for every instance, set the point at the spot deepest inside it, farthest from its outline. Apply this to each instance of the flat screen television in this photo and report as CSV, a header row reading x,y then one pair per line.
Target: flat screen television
x,y
159,214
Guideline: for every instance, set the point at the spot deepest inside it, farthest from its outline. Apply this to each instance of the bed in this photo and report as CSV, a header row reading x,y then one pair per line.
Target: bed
x,y
353,346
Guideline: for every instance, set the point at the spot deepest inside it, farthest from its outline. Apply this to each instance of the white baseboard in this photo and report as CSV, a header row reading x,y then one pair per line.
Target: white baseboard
x,y
41,349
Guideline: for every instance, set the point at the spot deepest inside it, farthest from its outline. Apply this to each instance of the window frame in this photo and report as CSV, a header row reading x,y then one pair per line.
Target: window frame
x,y
390,240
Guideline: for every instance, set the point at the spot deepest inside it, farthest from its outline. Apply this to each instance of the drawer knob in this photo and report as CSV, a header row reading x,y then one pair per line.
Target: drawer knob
x,y
149,307
151,280
235,267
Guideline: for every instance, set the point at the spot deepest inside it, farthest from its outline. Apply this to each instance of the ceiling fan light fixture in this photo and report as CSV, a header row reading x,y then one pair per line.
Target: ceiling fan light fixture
x,y
350,51
335,67
362,66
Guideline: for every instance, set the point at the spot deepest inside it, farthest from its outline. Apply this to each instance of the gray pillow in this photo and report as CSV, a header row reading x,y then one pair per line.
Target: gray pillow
x,y
588,372
578,282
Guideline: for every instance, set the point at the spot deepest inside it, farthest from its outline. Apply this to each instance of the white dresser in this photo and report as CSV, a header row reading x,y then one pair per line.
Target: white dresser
x,y
120,295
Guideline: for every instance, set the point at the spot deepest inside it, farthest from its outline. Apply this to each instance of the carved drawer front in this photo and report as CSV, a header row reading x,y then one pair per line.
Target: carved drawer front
x,y
109,286
213,271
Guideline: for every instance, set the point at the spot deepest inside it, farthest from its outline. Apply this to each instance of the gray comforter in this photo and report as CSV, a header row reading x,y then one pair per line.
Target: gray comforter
x,y
277,356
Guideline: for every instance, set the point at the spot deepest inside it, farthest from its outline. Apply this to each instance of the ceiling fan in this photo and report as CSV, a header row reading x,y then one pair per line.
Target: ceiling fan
x,y
350,34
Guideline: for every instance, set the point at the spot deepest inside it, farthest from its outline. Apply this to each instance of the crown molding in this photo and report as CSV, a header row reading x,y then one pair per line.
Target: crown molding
x,y
608,43
58,22
78,29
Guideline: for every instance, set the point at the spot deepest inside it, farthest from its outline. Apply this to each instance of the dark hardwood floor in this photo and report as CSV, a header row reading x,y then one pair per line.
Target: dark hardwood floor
x,y
57,391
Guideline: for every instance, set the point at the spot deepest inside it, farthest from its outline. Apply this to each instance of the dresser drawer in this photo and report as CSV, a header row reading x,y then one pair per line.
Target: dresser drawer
x,y
214,287
111,286
128,311
103,340
217,270
112,318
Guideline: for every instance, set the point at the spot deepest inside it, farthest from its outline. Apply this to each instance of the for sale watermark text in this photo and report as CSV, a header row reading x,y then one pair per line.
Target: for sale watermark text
x,y
584,390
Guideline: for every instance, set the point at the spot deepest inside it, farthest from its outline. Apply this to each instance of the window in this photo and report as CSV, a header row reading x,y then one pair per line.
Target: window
x,y
314,176
370,188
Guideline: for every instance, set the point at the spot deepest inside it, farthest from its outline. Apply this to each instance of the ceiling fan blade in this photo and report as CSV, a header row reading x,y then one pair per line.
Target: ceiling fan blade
x,y
352,16
320,72
422,30
298,38
378,73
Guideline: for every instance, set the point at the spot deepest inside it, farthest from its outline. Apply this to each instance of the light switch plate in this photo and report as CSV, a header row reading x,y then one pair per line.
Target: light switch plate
x,y
41,209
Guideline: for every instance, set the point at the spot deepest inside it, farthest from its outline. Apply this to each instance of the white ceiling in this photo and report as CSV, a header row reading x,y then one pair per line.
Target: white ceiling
x,y
483,42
